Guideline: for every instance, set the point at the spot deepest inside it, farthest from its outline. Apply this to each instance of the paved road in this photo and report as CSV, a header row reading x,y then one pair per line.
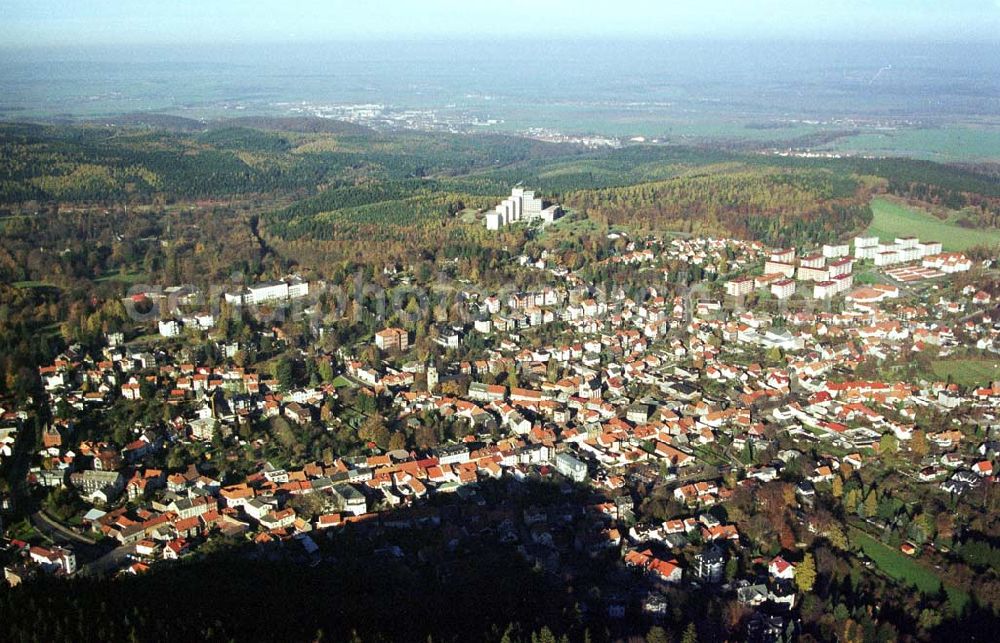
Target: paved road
x,y
86,549
51,527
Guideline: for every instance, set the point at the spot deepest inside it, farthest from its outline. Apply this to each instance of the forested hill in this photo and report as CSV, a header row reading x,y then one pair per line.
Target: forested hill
x,y
781,206
105,164
335,182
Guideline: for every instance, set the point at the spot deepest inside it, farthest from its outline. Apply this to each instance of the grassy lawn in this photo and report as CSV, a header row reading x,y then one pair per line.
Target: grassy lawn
x,y
340,382
148,338
23,530
33,284
351,417
901,567
127,278
571,223
969,371
709,456
868,277
468,215
894,219
281,430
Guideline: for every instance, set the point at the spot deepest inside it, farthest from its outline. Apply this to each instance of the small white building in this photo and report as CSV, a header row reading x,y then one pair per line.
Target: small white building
x,y
571,467
841,267
865,247
169,328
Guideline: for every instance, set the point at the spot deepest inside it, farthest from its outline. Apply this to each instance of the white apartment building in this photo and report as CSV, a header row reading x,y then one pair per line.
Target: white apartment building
x,y
521,205
270,292
779,268
865,247
169,328
783,289
740,287
833,251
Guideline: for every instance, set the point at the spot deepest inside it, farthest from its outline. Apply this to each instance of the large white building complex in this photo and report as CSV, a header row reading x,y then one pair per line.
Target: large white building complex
x,y
902,250
521,205
292,287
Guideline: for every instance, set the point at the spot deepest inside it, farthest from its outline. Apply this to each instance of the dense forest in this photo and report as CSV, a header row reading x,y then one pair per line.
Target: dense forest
x,y
779,207
227,597
326,181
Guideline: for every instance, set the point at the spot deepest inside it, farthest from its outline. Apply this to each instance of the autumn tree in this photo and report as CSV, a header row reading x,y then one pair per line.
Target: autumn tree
x,y
397,441
805,574
325,370
375,430
452,388
888,445
786,535
918,444
837,537
851,500
870,507
846,471
944,525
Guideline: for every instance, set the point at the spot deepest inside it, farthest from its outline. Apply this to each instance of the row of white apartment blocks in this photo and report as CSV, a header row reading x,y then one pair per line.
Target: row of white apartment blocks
x,y
268,292
809,268
902,250
521,205
833,287
948,262
781,270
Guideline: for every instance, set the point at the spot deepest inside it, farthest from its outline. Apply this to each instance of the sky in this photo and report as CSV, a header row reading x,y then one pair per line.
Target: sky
x,y
34,23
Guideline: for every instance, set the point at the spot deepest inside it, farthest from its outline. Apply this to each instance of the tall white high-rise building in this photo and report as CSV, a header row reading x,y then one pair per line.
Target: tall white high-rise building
x,y
521,205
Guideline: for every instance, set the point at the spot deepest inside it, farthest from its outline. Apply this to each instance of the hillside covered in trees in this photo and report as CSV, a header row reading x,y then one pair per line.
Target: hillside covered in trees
x,y
331,184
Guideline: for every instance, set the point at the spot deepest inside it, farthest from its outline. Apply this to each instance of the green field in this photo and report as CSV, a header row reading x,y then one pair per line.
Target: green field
x,y
894,219
945,144
903,568
968,372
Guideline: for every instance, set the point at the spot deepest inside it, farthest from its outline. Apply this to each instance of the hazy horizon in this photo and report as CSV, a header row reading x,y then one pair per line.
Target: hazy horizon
x,y
776,70
32,23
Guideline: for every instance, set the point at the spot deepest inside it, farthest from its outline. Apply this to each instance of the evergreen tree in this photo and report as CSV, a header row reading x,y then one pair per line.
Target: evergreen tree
x,y
657,634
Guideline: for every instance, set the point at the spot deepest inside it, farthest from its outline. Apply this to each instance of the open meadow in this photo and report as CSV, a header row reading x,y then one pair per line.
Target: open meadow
x,y
892,219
